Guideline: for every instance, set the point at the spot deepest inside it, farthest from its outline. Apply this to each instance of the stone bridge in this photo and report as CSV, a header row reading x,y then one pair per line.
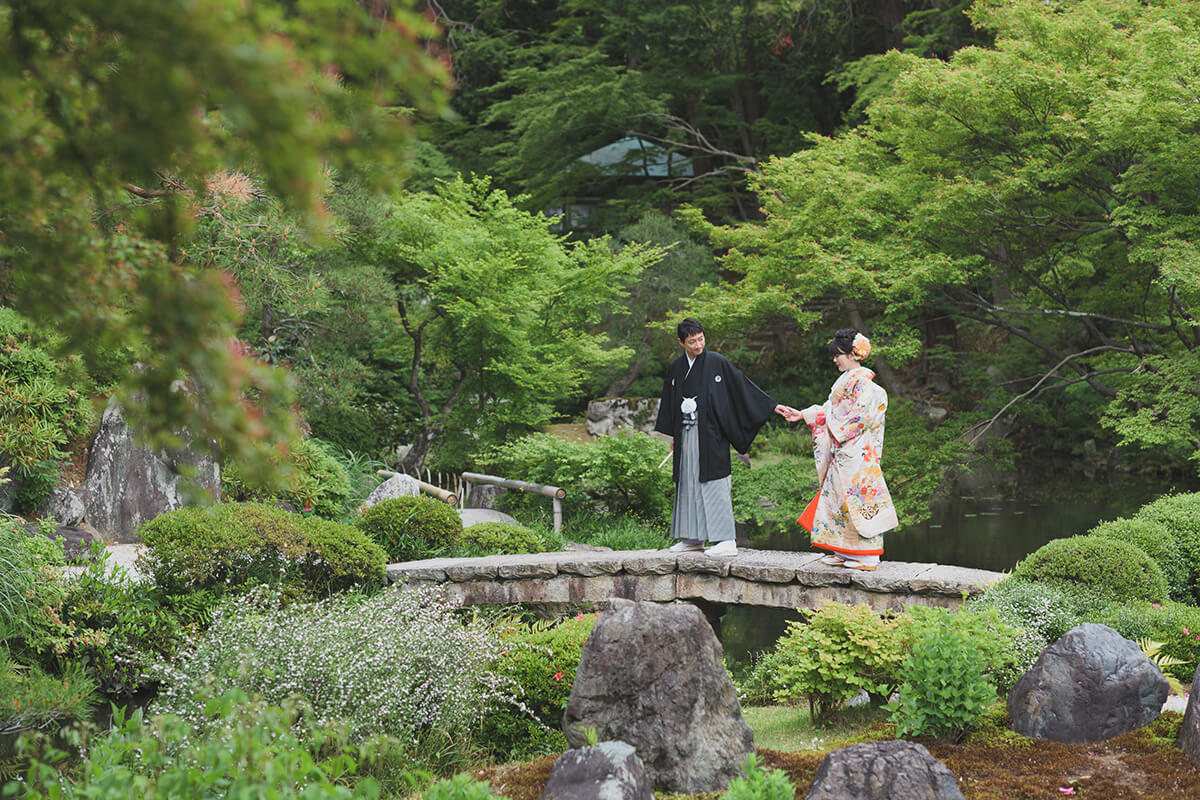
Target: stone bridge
x,y
753,577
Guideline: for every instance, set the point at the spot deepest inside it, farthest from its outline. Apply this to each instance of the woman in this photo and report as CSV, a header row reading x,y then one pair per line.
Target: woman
x,y
853,507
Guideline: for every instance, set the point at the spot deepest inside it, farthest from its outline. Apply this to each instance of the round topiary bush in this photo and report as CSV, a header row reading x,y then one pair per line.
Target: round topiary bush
x,y
1180,515
229,546
499,538
409,528
1118,570
1157,542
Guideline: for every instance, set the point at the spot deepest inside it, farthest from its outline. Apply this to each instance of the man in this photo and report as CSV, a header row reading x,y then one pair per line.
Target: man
x,y
707,405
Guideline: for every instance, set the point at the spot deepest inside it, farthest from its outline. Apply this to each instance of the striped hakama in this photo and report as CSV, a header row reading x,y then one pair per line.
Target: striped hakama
x,y
703,511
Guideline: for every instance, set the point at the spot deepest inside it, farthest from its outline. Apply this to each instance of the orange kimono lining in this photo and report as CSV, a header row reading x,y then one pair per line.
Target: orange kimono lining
x,y
876,552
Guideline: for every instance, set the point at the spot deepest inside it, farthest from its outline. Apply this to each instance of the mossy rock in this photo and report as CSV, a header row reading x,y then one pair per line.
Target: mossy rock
x,y
1118,570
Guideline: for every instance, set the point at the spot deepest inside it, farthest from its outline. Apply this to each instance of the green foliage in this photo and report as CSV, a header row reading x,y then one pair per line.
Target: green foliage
x,y
42,408
229,547
1179,514
311,478
773,492
617,473
1155,540
32,699
460,787
834,653
497,538
947,679
1038,613
995,187
1175,625
119,627
131,126
759,783
400,663
251,749
541,658
31,594
944,690
758,684
1116,569
409,528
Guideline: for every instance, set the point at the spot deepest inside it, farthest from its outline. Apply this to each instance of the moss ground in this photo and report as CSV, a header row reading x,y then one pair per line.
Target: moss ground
x,y
992,763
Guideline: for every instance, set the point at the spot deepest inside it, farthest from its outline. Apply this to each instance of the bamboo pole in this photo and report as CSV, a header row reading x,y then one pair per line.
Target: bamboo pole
x,y
449,498
553,492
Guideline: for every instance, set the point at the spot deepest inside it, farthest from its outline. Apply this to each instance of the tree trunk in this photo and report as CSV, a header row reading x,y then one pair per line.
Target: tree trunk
x,y
415,459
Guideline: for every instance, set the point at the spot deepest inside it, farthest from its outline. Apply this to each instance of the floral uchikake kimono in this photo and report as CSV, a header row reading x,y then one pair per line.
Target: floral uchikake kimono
x,y
854,507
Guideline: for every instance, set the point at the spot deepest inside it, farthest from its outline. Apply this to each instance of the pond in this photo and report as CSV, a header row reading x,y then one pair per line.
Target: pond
x,y
986,532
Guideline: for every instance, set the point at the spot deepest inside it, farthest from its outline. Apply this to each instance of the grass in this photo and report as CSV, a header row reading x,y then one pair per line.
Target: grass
x,y
992,763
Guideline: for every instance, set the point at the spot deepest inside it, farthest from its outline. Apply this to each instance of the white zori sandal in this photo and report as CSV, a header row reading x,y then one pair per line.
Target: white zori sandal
x,y
833,561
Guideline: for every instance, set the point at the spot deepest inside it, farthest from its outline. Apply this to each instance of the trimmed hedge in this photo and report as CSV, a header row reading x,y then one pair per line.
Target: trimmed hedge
x,y
1179,514
227,547
499,538
1119,570
410,528
1156,541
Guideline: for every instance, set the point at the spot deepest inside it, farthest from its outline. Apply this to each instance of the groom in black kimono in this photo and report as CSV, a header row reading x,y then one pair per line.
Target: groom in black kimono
x,y
707,405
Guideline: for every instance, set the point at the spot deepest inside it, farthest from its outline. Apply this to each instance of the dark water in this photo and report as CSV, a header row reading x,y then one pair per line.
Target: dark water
x,y
986,532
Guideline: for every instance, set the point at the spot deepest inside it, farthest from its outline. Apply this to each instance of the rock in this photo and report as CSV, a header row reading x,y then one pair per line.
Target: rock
x,y
608,415
77,542
1189,731
64,505
1088,686
577,547
127,485
604,771
894,770
396,486
651,675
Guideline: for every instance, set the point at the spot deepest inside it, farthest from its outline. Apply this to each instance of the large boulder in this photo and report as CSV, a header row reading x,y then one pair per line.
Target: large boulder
x,y
1189,731
604,771
1090,685
608,415
64,506
651,675
127,485
398,485
895,770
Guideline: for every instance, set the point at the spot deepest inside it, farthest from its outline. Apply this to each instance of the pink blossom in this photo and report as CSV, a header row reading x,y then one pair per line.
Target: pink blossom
x,y
1067,789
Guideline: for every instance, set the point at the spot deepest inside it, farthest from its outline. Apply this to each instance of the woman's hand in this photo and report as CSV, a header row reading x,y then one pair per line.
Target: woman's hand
x,y
788,413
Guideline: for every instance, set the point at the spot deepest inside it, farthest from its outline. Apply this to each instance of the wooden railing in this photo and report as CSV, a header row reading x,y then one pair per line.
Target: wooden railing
x,y
553,492
444,495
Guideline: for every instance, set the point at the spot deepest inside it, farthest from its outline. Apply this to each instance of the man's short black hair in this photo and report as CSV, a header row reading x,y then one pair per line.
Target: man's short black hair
x,y
689,327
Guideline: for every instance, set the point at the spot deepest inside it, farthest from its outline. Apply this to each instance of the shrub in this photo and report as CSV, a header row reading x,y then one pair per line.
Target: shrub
x,y
759,783
409,528
834,653
758,686
1175,625
120,628
947,681
43,406
623,532
618,474
1119,570
251,750
541,658
313,480
944,690
460,787
1156,541
32,699
1038,613
784,489
31,594
496,538
1180,515
400,663
227,547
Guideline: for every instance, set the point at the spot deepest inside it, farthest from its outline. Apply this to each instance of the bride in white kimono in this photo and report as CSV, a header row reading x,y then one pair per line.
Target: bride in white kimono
x,y
853,507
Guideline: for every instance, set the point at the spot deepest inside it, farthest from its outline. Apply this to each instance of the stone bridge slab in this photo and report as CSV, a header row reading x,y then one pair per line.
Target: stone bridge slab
x,y
754,577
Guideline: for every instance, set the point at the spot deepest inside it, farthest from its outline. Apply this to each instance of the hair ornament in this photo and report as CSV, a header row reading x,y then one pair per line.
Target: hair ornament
x,y
861,348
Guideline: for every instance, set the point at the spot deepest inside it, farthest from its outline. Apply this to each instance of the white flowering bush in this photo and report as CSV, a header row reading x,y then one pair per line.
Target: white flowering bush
x,y
401,663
